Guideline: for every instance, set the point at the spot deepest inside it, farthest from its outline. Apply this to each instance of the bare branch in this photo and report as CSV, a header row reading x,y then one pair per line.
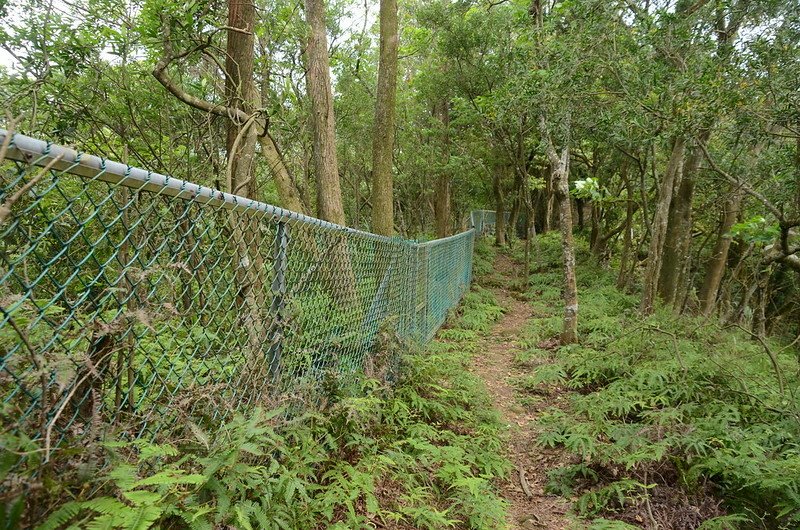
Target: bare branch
x,y
745,187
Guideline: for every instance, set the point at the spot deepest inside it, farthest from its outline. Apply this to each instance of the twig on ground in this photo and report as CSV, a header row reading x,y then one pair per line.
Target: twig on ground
x,y
524,483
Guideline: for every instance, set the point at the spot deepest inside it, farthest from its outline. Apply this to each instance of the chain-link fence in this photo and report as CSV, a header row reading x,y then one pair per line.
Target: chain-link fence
x,y
132,302
484,221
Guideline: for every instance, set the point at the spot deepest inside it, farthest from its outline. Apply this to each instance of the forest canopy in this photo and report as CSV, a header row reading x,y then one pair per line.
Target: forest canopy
x,y
668,131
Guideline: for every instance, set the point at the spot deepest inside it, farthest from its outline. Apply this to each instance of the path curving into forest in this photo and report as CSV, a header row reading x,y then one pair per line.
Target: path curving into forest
x,y
529,506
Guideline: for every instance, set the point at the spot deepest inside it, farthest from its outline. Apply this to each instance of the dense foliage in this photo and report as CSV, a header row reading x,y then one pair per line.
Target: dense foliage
x,y
667,131
676,121
421,453
670,419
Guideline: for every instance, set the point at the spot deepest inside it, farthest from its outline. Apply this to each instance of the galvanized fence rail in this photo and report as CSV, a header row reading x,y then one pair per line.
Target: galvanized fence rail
x,y
132,302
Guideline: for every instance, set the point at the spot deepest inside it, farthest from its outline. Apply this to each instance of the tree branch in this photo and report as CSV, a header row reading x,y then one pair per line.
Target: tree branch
x,y
745,187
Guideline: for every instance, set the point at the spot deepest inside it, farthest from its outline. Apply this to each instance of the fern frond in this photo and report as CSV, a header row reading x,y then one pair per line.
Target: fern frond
x,y
60,517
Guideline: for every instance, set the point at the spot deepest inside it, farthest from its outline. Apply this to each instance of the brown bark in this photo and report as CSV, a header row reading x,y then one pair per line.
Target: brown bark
x,y
679,229
338,273
318,85
569,333
719,256
442,201
500,209
241,95
627,236
517,205
287,191
560,176
241,179
669,182
383,134
443,206
550,211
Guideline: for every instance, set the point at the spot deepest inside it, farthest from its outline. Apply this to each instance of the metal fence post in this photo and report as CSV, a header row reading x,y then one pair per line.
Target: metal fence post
x,y
279,267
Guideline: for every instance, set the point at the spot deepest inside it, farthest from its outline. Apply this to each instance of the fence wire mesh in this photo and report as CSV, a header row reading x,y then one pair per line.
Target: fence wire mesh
x,y
132,302
484,221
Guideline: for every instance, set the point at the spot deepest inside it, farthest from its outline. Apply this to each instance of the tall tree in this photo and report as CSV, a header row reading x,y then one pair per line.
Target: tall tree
x,y
383,133
318,85
442,203
655,256
241,94
559,164
251,123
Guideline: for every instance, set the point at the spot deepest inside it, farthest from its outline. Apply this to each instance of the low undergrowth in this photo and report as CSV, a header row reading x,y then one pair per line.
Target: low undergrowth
x,y
421,453
673,422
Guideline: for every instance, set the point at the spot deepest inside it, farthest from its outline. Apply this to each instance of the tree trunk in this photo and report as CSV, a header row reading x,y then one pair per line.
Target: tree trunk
x,y
318,84
540,208
338,269
671,180
442,202
679,229
551,213
243,99
516,206
759,324
719,256
383,134
622,278
241,180
560,178
676,240
569,333
500,209
596,233
240,92
287,191
530,233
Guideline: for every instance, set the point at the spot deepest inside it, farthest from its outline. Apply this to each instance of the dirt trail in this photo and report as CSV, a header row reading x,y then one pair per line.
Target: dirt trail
x,y
495,365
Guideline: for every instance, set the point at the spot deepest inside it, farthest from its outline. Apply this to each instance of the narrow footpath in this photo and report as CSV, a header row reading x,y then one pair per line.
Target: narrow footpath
x,y
530,507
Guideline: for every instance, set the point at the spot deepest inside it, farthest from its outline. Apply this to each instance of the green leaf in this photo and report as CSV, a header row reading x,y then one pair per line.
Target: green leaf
x,y
143,518
142,497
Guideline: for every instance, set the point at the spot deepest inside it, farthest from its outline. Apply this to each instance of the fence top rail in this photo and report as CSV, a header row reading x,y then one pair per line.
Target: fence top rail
x,y
434,242
32,150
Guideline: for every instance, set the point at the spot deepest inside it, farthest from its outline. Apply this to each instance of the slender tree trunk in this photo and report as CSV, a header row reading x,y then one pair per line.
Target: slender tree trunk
x,y
676,240
318,84
719,256
596,233
287,190
759,325
552,216
580,207
679,229
442,202
240,92
338,269
383,134
241,180
669,182
516,207
622,279
500,209
530,232
540,208
569,333
560,177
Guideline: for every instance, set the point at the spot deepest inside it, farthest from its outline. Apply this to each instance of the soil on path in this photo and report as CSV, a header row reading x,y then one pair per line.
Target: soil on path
x,y
531,509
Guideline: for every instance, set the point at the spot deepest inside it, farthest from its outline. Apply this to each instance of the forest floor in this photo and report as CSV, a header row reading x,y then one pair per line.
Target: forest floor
x,y
643,423
529,506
